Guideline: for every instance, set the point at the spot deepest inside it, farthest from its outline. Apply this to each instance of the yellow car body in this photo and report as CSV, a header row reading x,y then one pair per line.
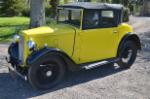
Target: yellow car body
x,y
84,46
86,36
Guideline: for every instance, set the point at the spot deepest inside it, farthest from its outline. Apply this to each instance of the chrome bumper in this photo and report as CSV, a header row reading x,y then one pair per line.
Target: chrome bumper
x,y
14,70
13,60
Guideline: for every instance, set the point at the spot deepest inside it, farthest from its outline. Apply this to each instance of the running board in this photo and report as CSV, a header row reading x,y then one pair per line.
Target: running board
x,y
97,64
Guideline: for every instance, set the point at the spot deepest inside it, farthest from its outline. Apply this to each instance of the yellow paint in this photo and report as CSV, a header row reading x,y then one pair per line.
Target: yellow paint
x,y
97,44
101,43
58,36
90,45
39,31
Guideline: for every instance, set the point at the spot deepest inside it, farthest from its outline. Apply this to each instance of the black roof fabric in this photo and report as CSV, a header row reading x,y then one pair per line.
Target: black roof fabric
x,y
88,5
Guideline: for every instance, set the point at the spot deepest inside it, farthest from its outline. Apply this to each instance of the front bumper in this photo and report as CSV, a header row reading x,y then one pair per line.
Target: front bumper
x,y
15,71
14,63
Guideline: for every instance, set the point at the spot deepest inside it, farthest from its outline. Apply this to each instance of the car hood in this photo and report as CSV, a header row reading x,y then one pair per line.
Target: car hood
x,y
50,30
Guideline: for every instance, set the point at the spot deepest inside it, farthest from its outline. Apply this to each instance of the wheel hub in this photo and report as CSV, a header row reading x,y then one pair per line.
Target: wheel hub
x,y
49,73
127,56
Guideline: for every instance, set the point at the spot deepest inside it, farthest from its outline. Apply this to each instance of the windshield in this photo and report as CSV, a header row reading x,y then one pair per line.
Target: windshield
x,y
70,16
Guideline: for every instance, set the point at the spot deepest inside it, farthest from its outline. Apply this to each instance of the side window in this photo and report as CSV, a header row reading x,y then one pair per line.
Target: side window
x,y
91,19
107,18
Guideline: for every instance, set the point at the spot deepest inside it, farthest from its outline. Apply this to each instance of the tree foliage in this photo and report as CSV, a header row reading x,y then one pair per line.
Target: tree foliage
x,y
12,7
54,4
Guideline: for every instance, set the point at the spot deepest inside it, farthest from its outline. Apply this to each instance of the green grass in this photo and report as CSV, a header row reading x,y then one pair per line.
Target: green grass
x,y
10,25
13,21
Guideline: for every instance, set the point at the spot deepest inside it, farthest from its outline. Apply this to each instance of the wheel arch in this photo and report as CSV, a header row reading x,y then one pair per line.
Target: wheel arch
x,y
70,64
131,37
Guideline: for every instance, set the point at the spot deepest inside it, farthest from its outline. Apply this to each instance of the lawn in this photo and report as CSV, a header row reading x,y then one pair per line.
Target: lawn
x,y
10,25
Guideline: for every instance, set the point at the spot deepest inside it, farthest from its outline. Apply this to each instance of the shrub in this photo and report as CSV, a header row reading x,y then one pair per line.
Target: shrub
x,y
125,14
26,12
48,11
12,7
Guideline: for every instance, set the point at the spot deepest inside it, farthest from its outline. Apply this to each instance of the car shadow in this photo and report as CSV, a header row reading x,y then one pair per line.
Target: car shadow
x,y
144,53
19,89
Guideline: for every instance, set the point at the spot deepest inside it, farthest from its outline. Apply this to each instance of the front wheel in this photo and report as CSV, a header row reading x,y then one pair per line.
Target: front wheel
x,y
46,72
127,54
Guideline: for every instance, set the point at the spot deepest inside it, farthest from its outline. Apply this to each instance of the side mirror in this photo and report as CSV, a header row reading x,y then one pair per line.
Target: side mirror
x,y
125,15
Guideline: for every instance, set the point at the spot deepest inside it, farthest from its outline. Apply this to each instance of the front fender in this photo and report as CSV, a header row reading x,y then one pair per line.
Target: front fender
x,y
37,54
71,65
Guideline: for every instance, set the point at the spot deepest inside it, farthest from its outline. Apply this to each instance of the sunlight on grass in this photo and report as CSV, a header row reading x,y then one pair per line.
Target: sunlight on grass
x,y
11,25
7,30
12,21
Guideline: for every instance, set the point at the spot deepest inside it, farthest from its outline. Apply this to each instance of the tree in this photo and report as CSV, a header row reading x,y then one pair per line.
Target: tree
x,y
107,1
12,7
125,3
37,13
66,1
54,4
116,1
145,10
84,0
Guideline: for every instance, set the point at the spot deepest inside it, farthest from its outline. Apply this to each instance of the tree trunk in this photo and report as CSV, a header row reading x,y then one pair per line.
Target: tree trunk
x,y
145,11
125,3
54,4
37,13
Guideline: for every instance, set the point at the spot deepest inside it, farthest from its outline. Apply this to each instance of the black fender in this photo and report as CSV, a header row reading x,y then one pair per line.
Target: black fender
x,y
36,55
13,54
131,37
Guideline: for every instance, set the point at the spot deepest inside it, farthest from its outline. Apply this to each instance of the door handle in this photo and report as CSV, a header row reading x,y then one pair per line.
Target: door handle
x,y
115,31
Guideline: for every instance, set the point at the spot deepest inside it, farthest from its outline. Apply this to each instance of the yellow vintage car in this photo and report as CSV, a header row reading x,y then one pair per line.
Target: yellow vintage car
x,y
86,35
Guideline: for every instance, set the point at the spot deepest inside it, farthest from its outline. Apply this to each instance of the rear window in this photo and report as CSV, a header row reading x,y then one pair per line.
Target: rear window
x,y
107,18
108,14
100,19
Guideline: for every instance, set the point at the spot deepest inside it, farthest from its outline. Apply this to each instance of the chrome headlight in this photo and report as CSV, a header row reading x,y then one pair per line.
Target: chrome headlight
x,y
31,45
16,38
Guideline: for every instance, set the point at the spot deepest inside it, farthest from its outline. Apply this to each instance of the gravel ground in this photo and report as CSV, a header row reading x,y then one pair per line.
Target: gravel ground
x,y
105,82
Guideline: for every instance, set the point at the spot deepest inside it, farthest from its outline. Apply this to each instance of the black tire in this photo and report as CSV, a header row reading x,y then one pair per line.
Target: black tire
x,y
129,50
47,72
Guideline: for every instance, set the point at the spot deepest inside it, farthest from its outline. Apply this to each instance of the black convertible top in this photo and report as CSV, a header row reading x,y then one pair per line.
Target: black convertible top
x,y
88,5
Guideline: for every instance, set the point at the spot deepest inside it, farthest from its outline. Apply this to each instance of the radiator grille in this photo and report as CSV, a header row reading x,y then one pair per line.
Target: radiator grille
x,y
21,49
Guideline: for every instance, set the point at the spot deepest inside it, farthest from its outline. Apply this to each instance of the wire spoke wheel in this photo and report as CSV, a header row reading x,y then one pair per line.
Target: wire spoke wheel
x,y
47,72
127,54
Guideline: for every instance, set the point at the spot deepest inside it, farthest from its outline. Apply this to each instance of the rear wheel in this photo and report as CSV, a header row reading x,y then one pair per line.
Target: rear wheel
x,y
46,72
127,54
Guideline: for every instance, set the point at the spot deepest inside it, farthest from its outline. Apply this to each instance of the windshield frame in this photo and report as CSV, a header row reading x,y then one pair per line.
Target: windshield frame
x,y
81,16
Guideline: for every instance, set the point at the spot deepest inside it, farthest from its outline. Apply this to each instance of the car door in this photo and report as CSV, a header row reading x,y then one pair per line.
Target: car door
x,y
99,36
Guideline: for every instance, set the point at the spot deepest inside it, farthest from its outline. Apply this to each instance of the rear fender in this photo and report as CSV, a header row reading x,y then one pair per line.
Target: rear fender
x,y
131,37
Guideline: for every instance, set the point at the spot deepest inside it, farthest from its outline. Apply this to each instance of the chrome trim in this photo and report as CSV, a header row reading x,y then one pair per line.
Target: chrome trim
x,y
16,72
21,49
97,64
